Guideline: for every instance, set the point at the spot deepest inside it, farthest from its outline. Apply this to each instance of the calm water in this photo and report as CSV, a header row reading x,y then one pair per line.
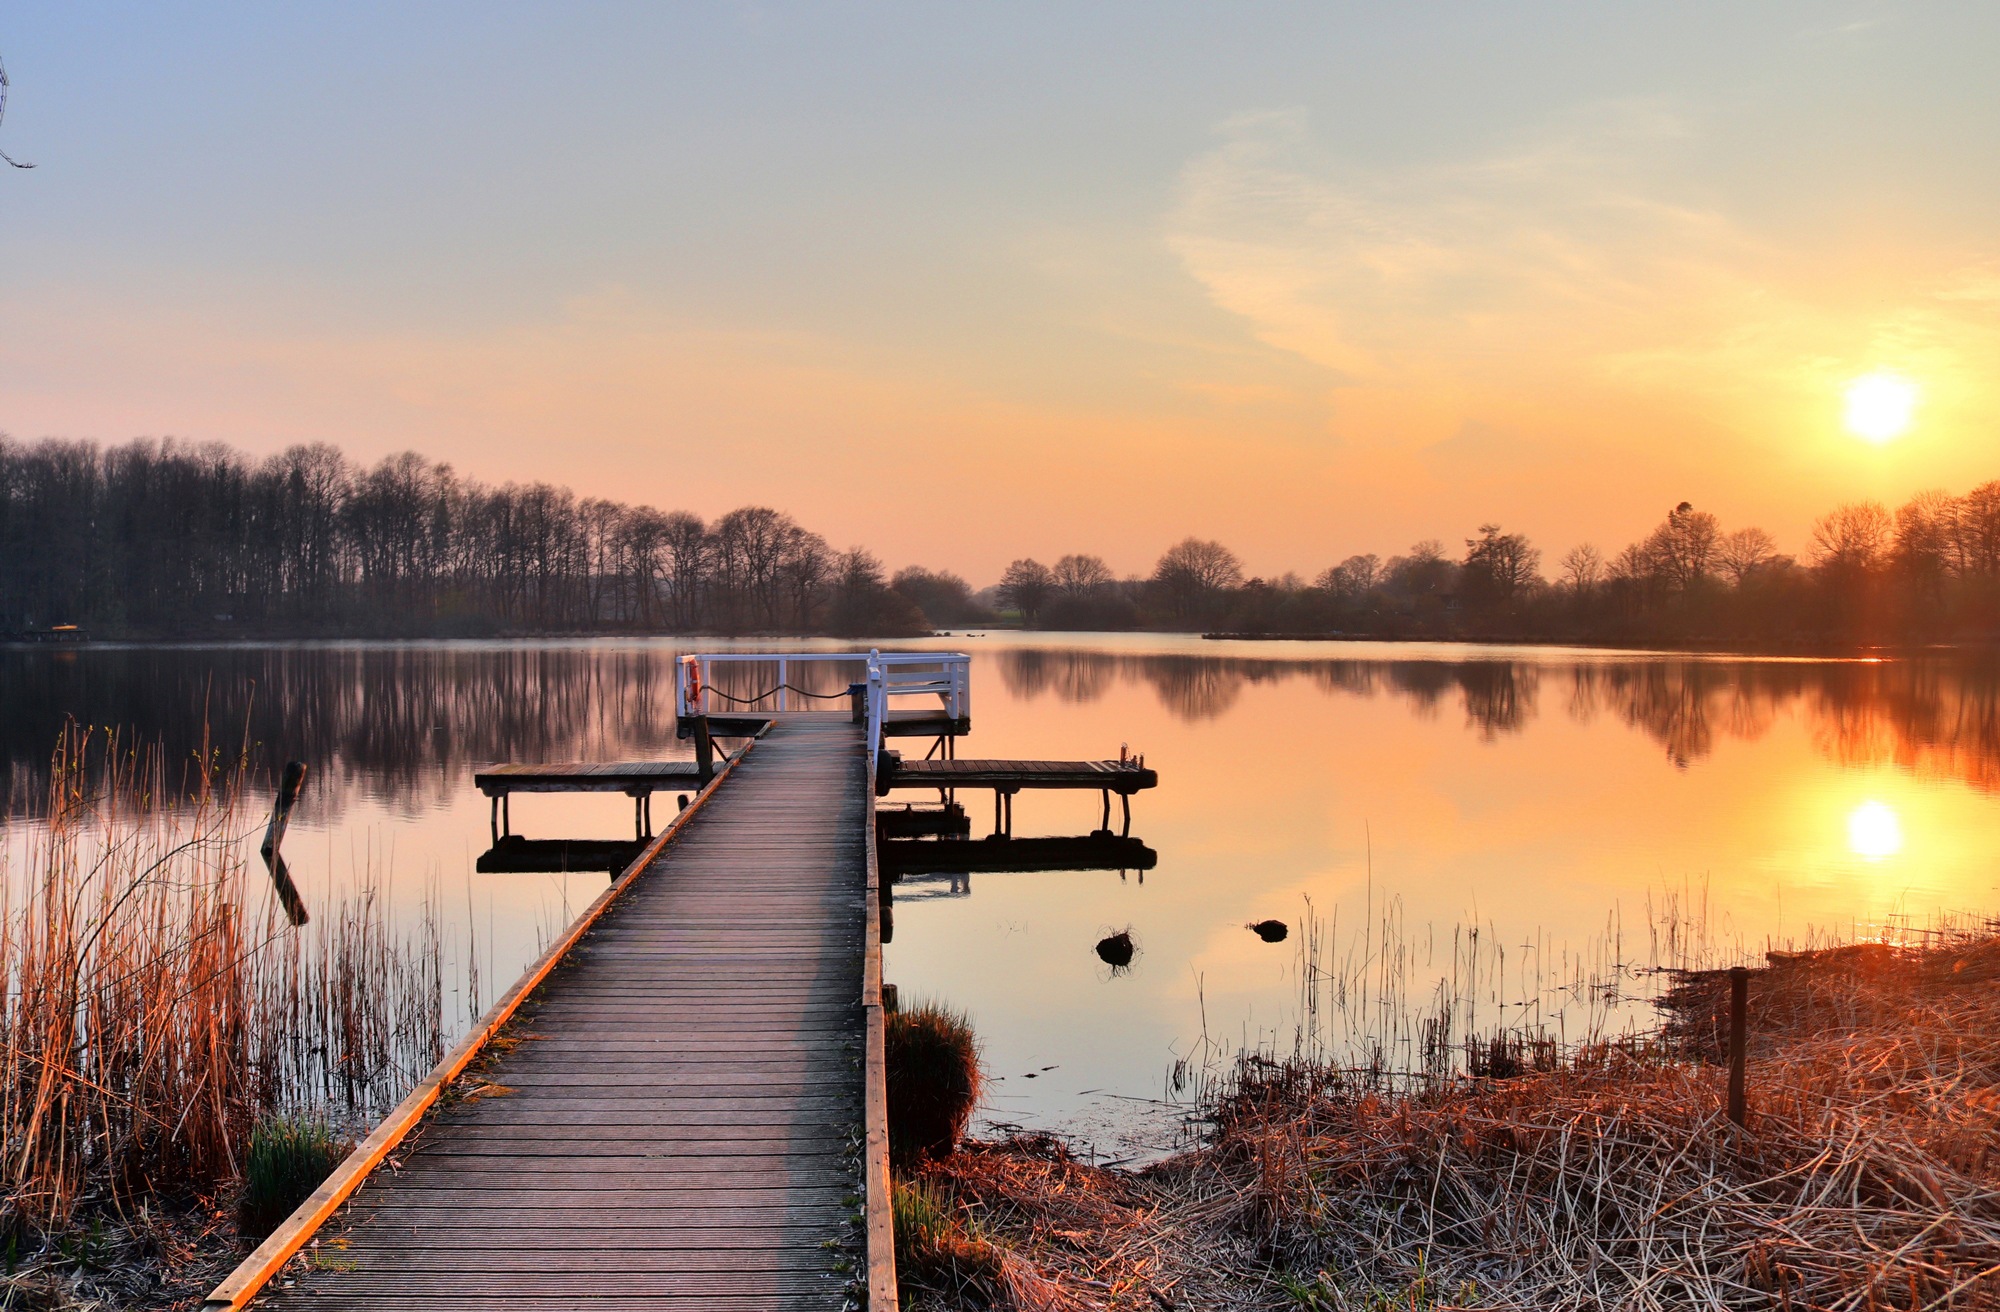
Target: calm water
x,y
1561,803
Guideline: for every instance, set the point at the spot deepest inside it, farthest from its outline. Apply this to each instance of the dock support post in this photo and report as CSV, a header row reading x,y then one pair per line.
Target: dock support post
x,y
493,822
704,749
1125,800
1104,824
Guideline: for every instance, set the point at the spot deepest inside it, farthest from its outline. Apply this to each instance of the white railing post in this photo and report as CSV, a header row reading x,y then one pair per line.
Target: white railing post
x,y
781,683
878,701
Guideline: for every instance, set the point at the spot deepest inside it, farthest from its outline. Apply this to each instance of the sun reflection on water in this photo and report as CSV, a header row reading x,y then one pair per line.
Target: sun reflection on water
x,y
1874,831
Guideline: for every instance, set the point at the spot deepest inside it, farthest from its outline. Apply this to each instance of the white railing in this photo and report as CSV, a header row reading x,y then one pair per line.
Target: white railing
x,y
946,675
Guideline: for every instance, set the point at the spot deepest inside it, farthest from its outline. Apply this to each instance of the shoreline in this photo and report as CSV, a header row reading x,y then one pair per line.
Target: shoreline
x,y
1606,1175
1806,651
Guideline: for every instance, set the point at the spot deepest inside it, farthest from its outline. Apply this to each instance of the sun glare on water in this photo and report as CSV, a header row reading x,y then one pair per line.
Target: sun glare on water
x,y
1880,406
1874,831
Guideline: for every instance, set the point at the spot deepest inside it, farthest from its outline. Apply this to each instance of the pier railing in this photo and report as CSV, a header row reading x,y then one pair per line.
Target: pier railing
x,y
945,675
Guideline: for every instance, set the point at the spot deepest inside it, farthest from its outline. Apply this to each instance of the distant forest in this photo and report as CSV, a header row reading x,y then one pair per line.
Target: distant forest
x,y
175,539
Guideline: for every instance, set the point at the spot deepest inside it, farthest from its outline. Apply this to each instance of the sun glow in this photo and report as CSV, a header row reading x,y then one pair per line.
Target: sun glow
x,y
1880,406
1874,831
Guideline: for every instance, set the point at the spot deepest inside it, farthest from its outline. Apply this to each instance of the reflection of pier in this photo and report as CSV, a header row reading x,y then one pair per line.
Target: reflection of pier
x,y
512,854
916,856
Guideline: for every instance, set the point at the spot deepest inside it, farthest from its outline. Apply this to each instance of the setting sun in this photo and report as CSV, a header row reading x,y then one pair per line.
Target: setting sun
x,y
1874,831
1879,406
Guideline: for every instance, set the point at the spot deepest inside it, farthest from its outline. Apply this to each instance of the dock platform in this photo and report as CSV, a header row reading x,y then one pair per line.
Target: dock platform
x,y
1013,776
1007,778
638,780
675,1114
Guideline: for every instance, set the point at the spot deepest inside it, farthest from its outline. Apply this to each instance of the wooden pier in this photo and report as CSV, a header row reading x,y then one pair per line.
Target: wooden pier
x,y
684,1107
683,1103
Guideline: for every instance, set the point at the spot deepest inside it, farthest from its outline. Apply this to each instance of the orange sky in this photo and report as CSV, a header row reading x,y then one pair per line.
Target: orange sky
x,y
1311,283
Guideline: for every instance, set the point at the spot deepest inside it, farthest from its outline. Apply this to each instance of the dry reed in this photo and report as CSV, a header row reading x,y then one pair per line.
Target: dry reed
x,y
1594,1175
154,1004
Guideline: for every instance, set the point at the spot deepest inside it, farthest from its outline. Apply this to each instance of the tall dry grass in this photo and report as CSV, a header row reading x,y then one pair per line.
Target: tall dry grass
x,y
155,1003
1529,1173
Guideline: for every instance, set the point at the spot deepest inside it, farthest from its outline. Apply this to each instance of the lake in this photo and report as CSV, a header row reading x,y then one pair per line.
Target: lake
x,y
1534,827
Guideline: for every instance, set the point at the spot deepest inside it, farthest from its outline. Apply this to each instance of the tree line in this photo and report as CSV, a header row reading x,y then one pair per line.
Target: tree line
x,y
172,537
165,538
1927,572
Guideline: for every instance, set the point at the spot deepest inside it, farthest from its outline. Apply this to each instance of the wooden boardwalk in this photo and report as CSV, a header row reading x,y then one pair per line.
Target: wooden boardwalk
x,y
674,1117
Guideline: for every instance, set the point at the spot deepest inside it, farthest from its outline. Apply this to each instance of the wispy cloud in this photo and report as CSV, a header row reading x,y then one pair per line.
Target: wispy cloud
x,y
1575,258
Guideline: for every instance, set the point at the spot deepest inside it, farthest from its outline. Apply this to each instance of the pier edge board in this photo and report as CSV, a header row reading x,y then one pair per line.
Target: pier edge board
x,y
284,1243
883,1295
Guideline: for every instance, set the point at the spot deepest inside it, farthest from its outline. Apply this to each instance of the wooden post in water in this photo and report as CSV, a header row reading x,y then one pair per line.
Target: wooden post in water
x,y
289,783
1739,1025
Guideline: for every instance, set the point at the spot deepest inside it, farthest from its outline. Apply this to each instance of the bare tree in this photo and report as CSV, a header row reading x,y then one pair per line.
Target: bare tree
x,y
1351,579
1683,548
1976,531
1026,587
1925,528
3,114
943,596
1582,568
1192,572
749,543
1499,565
1744,552
1079,575
1853,539
1424,572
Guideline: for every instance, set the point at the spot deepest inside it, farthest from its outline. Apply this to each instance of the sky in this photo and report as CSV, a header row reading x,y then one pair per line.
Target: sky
x,y
969,282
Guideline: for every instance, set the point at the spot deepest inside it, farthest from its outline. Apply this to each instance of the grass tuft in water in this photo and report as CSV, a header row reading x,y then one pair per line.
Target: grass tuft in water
x,y
289,1157
932,1059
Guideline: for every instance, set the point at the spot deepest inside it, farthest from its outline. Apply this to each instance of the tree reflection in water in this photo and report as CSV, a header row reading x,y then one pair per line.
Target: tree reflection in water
x,y
1935,716
404,724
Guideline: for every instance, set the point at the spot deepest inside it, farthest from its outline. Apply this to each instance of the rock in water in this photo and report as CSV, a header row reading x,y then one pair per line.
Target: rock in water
x,y
1116,951
1271,931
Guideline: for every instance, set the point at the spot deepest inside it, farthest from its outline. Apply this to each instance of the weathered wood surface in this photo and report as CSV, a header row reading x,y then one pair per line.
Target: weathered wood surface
x,y
632,778
1112,776
675,1117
